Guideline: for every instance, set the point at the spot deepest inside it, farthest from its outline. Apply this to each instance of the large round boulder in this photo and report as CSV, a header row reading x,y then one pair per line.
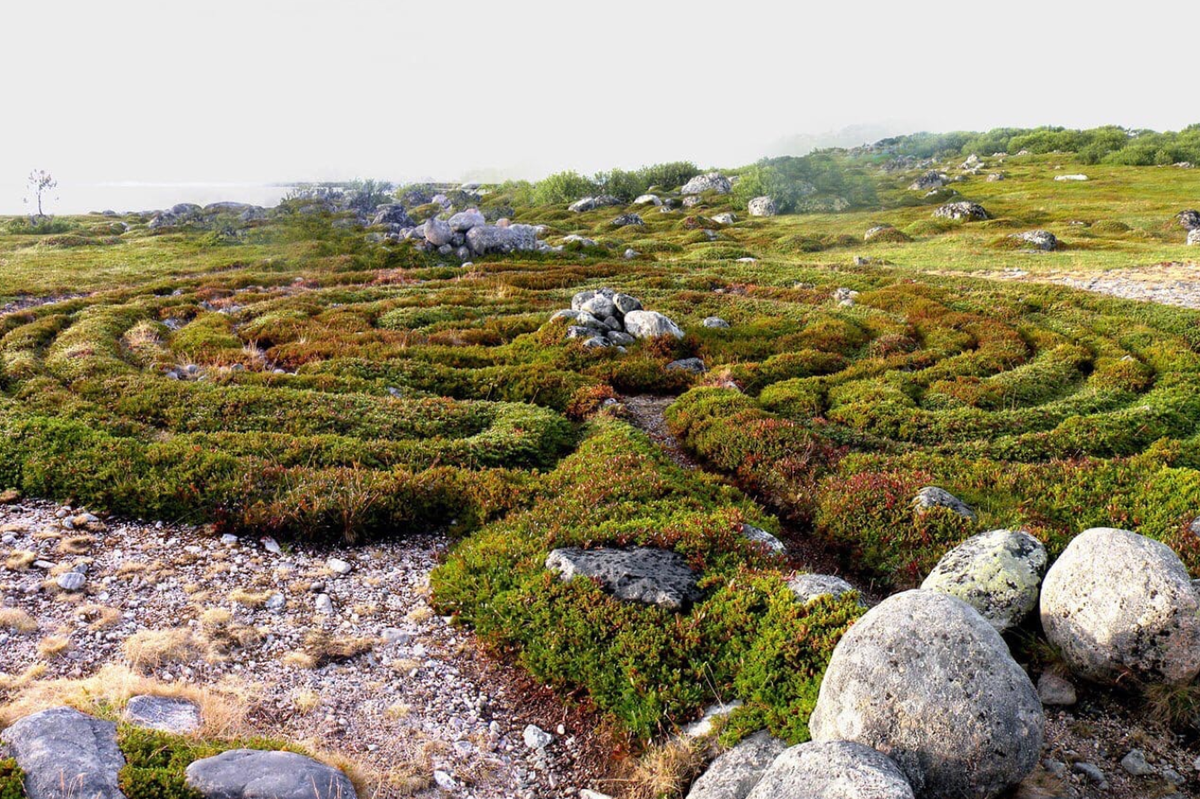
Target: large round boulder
x,y
761,206
923,678
650,324
833,770
712,181
1116,603
997,573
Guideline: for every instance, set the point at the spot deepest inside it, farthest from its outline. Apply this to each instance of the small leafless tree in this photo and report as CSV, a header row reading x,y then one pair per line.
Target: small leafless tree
x,y
40,184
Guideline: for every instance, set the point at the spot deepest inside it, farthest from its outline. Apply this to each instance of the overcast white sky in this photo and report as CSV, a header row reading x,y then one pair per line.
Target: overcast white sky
x,y
218,91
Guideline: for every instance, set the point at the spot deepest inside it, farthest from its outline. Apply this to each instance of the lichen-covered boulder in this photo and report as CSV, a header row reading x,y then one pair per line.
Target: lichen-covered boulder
x,y
926,680
438,232
166,713
935,497
650,324
761,206
998,573
254,774
712,181
761,536
1039,239
735,772
625,220
639,574
592,203
465,220
832,770
929,181
1118,603
808,587
1193,238
66,754
961,210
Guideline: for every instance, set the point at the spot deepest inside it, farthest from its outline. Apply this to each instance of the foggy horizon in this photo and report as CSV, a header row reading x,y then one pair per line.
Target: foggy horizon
x,y
230,96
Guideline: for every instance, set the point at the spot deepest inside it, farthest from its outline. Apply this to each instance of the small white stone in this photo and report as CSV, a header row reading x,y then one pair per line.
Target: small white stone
x,y
537,738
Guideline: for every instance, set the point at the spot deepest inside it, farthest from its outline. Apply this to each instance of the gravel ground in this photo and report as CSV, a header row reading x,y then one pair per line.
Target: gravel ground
x,y
418,697
1168,283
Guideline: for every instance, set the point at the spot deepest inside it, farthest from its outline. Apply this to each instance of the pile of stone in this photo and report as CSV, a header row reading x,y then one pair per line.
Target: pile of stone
x,y
195,215
467,234
608,318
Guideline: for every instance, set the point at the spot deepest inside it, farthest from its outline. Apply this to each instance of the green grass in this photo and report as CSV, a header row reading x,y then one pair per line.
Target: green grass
x,y
335,387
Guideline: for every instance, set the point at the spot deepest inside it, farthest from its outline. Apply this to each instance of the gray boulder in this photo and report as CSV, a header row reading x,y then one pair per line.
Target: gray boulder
x,y
714,321
438,232
923,678
583,318
166,713
650,324
961,210
465,220
998,573
693,365
253,774
626,304
66,754
592,203
761,206
725,218
832,770
808,587
489,239
1189,219
761,536
712,181
735,772
1193,238
1040,239
392,214
648,199
1116,603
641,574
934,497
599,306
625,220
582,297
929,181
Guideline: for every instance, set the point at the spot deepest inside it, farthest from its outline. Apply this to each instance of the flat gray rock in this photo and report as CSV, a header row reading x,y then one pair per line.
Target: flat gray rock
x,y
832,770
935,497
735,772
926,680
166,713
1116,603
808,587
998,573
252,774
66,754
761,536
641,574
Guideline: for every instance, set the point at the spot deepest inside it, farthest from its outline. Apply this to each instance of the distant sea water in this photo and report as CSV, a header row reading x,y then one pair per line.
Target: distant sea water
x,y
82,198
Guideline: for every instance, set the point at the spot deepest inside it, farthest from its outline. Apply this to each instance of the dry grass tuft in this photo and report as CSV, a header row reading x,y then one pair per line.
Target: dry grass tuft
x,y
222,708
98,617
321,649
153,649
19,560
53,646
249,599
17,621
76,545
666,770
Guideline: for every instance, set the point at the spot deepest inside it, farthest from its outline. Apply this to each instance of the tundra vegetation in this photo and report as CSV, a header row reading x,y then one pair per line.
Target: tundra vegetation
x,y
299,376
